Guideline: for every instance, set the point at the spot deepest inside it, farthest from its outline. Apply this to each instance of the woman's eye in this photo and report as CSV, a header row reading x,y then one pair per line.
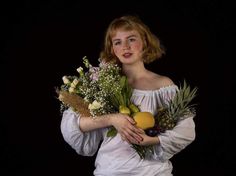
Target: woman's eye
x,y
132,39
117,43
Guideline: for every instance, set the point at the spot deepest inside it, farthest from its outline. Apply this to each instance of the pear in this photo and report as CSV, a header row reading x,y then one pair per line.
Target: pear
x,y
133,108
124,110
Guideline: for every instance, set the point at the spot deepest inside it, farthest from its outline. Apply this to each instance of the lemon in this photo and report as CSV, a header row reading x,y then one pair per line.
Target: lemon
x,y
144,120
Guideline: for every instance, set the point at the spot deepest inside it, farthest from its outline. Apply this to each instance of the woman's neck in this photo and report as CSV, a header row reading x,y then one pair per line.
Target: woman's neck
x,y
134,71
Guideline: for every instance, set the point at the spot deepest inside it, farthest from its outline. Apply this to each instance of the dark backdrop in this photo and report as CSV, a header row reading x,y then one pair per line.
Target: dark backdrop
x,y
45,40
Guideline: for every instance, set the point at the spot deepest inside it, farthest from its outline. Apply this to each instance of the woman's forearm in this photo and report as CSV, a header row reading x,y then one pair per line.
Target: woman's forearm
x,y
92,123
124,125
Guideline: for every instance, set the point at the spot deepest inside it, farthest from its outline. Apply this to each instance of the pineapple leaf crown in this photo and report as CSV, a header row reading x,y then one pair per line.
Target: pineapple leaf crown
x,y
180,106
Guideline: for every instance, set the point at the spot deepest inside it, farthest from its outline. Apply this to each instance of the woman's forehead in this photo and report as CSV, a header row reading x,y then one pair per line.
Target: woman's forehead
x,y
124,31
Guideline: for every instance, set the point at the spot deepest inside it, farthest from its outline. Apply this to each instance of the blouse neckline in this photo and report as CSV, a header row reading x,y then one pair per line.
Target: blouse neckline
x,y
173,86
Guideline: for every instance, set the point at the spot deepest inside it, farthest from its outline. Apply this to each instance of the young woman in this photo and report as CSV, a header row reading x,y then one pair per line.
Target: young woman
x,y
130,42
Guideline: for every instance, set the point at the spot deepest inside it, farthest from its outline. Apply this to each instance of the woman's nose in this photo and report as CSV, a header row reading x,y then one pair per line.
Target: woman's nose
x,y
126,45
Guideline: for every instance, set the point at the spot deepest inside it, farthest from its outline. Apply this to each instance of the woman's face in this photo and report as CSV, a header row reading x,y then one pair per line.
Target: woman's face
x,y
127,46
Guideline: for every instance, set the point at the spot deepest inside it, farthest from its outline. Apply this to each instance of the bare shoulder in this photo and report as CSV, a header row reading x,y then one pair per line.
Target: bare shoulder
x,y
152,81
160,81
165,81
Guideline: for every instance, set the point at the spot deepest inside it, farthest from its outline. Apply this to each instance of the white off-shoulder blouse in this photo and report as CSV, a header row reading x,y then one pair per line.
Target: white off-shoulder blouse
x,y
116,157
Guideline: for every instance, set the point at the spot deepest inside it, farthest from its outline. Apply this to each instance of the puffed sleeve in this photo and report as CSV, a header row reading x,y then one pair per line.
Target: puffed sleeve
x,y
175,140
85,143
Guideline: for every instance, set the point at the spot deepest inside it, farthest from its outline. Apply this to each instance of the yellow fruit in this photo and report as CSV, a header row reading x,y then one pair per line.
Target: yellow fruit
x,y
124,110
144,120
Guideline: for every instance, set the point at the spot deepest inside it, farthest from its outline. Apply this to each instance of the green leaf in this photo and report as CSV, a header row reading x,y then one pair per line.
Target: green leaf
x,y
111,132
142,150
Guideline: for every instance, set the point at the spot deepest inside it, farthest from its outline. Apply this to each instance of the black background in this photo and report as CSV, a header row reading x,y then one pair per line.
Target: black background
x,y
45,40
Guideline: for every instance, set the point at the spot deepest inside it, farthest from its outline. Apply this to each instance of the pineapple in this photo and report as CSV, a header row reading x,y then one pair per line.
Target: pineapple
x,y
179,108
164,120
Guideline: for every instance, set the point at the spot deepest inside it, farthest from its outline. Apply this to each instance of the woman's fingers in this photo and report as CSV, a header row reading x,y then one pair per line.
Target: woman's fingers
x,y
136,134
123,137
139,130
127,129
131,120
131,135
131,139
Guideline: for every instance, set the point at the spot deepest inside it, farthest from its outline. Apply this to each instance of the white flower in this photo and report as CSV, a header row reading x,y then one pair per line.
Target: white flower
x,y
95,105
61,97
74,83
71,89
65,80
80,69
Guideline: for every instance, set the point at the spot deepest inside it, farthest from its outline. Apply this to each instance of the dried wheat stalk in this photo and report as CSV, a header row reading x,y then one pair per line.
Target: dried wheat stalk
x,y
74,101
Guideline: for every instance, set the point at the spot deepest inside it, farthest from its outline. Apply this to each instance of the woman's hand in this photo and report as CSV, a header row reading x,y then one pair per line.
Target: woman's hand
x,y
147,140
125,125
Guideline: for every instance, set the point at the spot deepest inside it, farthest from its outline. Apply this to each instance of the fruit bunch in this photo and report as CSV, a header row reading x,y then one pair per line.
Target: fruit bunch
x,y
121,100
178,108
167,117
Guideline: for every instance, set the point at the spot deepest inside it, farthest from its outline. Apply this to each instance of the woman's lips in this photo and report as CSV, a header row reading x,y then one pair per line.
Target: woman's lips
x,y
127,55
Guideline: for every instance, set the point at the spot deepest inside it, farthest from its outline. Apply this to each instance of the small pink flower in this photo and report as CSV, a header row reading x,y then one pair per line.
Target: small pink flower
x,y
94,71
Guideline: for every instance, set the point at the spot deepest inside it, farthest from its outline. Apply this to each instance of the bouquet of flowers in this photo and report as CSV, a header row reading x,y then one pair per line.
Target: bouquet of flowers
x,y
89,92
102,90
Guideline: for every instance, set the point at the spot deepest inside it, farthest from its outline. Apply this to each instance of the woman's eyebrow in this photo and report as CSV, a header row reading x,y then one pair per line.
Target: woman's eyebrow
x,y
117,39
132,36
